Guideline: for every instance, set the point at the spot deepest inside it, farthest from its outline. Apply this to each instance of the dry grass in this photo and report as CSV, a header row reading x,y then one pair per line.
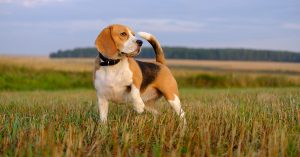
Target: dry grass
x,y
84,64
239,65
39,63
236,122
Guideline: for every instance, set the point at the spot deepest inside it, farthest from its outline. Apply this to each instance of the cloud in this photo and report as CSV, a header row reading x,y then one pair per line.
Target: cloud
x,y
291,26
30,3
161,25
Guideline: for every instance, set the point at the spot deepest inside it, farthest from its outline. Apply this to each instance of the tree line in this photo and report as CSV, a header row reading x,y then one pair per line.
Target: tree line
x,y
196,53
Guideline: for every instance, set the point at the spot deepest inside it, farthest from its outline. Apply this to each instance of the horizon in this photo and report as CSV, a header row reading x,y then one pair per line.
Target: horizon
x,y
40,27
149,46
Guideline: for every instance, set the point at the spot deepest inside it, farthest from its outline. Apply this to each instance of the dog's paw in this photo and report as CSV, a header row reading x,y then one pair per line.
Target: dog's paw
x,y
103,120
139,107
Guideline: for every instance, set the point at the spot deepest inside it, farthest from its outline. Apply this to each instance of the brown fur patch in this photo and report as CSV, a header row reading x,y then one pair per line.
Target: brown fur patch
x,y
116,31
166,83
96,66
105,43
154,75
136,71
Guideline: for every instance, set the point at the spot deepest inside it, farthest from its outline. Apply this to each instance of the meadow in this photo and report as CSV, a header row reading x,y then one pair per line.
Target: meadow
x,y
48,108
31,73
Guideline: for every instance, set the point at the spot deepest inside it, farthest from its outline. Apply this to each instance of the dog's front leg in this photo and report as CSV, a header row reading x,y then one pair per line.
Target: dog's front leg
x,y
136,99
103,109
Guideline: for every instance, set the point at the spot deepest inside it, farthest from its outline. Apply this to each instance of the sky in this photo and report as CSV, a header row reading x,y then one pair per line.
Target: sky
x,y
39,27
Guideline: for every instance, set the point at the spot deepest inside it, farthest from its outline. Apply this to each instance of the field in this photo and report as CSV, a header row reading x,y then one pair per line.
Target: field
x,y
31,73
61,118
84,64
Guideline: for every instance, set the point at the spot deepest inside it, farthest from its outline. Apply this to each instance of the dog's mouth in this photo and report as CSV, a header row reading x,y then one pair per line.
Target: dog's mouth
x,y
132,54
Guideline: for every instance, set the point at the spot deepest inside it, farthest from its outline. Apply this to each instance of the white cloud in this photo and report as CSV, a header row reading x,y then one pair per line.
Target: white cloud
x,y
30,3
291,26
161,25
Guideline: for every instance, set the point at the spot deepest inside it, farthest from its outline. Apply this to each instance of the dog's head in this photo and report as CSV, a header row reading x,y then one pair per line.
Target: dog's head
x,y
117,41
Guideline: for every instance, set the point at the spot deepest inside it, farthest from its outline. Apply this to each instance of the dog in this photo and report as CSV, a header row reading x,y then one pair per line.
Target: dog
x,y
119,78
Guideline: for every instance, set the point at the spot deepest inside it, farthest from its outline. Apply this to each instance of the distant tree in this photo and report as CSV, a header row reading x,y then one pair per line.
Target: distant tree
x,y
198,54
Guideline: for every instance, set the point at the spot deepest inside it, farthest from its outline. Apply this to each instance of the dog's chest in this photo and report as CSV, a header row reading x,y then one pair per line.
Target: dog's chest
x,y
112,82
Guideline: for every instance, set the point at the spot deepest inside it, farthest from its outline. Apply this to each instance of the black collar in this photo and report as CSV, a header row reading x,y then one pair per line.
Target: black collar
x,y
106,61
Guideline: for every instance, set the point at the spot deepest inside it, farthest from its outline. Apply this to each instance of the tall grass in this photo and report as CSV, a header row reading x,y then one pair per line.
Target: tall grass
x,y
235,122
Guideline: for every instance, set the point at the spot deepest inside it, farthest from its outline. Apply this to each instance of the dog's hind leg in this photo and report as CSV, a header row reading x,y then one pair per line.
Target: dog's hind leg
x,y
174,101
168,87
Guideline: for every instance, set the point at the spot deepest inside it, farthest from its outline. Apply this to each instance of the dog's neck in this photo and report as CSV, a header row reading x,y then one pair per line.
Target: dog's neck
x,y
106,61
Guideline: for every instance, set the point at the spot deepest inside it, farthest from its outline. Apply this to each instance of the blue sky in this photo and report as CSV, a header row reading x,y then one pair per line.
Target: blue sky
x,y
38,27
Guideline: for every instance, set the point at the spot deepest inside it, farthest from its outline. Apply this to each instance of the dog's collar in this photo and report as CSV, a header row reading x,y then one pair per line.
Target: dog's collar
x,y
106,61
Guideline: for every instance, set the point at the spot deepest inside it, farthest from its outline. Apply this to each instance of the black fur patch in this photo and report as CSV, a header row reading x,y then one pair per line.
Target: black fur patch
x,y
149,72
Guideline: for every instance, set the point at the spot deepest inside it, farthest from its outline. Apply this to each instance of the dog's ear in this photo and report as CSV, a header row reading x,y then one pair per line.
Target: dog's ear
x,y
105,43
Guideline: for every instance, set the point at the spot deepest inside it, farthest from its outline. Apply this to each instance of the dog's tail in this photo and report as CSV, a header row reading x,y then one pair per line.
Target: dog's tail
x,y
160,57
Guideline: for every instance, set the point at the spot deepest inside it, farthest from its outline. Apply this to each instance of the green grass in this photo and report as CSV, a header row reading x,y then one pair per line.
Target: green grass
x,y
221,122
21,78
15,78
214,80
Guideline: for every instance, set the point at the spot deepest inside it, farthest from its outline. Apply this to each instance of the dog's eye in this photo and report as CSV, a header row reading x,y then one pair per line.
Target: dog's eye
x,y
123,34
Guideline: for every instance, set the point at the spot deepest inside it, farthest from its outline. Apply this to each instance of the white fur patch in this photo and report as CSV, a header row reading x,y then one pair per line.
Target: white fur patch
x,y
145,35
111,82
136,99
130,45
177,107
103,109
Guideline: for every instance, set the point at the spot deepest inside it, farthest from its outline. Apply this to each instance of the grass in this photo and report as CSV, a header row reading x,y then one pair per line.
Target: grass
x,y
86,64
41,73
48,108
17,78
221,122
22,78
230,80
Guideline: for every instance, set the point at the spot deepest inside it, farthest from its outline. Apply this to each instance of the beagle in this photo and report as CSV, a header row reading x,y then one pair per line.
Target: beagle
x,y
118,77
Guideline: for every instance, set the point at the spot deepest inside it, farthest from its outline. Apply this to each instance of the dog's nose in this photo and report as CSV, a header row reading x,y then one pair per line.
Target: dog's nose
x,y
139,42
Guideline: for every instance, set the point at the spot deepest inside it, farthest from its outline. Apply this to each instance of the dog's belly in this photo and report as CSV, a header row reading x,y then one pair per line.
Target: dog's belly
x,y
150,94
